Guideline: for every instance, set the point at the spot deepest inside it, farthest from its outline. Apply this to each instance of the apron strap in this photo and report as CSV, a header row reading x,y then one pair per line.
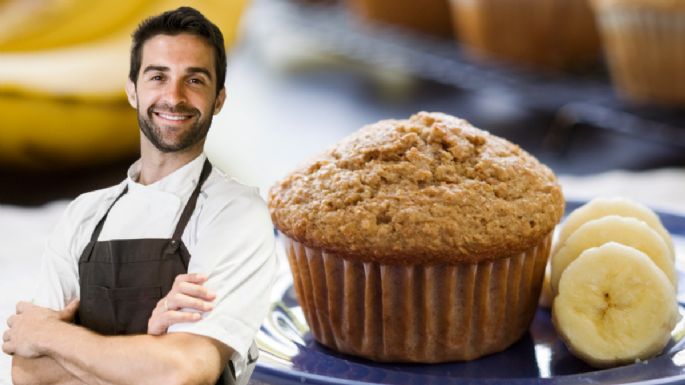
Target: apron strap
x,y
192,201
185,216
98,227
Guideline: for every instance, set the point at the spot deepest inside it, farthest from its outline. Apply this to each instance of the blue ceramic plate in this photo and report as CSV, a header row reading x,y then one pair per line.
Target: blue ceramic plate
x,y
289,354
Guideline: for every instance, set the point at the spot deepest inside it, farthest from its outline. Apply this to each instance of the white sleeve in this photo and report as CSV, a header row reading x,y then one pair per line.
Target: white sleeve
x,y
58,281
236,249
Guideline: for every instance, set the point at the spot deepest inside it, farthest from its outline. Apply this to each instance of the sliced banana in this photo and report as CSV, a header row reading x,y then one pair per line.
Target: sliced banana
x,y
614,306
627,231
600,207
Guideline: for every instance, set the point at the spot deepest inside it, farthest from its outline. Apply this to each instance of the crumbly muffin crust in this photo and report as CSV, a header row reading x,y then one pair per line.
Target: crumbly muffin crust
x,y
430,189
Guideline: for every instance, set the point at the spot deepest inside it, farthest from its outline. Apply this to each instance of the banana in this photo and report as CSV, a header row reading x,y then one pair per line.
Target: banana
x,y
86,21
22,18
73,22
84,72
600,207
97,69
627,231
614,306
15,15
49,133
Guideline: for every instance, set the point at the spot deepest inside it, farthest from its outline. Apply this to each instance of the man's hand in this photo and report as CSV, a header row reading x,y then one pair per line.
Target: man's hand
x,y
26,326
186,293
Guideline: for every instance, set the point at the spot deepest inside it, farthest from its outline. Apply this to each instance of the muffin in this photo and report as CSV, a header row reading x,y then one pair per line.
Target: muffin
x,y
555,35
419,240
428,16
644,42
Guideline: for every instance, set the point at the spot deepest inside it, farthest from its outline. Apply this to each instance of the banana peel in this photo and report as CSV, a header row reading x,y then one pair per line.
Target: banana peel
x,y
96,71
62,97
73,23
49,133
23,18
63,23
97,68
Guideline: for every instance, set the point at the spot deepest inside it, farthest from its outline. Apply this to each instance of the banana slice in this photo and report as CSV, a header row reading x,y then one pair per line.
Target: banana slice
x,y
614,306
627,231
600,207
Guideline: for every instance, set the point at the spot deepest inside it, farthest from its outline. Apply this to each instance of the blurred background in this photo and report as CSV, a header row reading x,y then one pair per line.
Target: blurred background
x,y
586,87
595,90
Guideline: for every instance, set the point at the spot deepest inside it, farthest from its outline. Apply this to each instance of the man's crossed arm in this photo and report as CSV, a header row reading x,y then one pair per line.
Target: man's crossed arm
x,y
48,349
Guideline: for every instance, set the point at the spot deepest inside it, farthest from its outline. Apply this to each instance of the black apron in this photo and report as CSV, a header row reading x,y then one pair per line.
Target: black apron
x,y
122,280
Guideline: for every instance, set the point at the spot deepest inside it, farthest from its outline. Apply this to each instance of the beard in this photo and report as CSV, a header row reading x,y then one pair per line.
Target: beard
x,y
154,133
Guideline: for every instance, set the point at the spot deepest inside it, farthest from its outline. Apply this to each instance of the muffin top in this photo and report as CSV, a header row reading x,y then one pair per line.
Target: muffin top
x,y
430,189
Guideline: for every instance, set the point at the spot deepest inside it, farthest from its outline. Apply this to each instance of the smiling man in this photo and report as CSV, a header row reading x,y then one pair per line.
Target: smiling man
x,y
164,278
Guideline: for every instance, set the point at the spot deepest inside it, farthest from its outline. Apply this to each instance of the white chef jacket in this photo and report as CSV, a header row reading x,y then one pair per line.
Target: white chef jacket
x,y
229,236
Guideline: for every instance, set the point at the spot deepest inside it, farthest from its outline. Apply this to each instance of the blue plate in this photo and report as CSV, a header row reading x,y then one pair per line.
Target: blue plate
x,y
290,355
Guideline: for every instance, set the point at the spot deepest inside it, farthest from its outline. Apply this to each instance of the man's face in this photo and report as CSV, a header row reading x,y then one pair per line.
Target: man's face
x,y
175,93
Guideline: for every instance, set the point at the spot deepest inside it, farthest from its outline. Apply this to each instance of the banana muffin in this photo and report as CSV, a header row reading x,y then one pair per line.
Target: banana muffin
x,y
419,240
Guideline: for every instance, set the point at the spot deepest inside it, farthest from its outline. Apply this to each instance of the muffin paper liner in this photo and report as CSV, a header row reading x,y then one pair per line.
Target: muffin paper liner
x,y
417,313
546,34
427,16
645,50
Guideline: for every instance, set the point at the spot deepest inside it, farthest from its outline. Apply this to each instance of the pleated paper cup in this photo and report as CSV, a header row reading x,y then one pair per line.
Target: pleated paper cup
x,y
553,35
417,313
645,50
425,16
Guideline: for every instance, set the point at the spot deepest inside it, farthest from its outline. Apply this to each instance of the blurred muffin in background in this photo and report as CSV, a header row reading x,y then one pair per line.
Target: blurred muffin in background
x,y
427,16
644,44
543,34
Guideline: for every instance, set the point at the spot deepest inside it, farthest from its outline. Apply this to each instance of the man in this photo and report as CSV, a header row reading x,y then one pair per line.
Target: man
x,y
173,266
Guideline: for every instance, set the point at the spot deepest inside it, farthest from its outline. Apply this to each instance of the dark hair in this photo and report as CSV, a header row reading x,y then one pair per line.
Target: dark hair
x,y
181,20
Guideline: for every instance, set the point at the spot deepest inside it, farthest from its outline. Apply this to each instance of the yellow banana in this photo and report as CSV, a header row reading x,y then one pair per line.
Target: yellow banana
x,y
15,14
93,71
91,21
21,19
71,22
53,133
